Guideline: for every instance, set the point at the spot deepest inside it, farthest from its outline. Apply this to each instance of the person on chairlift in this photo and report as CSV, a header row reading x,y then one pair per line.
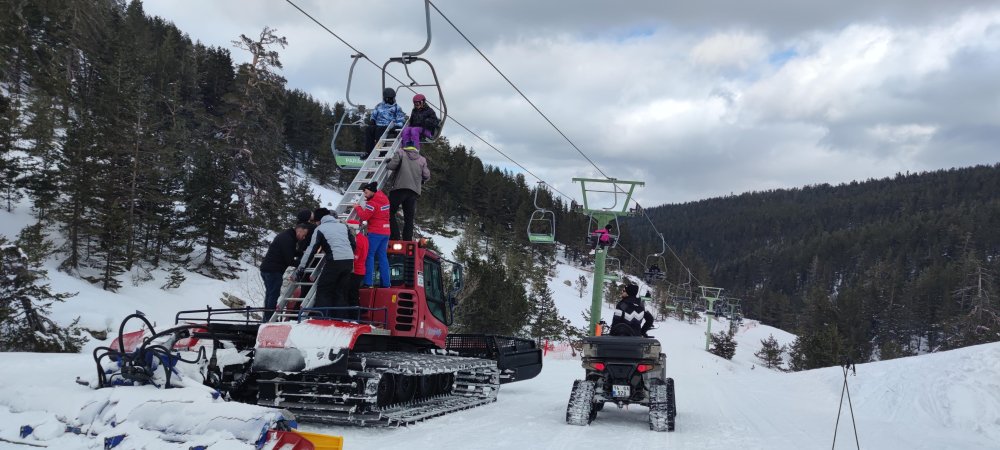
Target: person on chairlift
x,y
602,237
423,122
386,114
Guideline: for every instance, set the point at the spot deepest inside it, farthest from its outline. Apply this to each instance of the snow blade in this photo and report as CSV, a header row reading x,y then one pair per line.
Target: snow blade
x,y
518,359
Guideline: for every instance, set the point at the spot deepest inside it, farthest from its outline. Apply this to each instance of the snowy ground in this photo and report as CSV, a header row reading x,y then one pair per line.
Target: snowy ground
x,y
948,400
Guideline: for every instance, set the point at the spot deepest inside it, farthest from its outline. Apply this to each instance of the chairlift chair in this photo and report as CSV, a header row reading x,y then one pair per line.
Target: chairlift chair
x,y
593,238
734,310
612,268
350,159
654,275
411,57
343,158
544,220
657,258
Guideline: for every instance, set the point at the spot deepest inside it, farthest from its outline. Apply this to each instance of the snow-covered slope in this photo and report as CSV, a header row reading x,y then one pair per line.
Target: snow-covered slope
x,y
948,400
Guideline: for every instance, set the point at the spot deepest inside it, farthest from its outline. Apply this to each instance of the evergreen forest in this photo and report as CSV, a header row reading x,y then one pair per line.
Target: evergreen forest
x,y
143,149
871,269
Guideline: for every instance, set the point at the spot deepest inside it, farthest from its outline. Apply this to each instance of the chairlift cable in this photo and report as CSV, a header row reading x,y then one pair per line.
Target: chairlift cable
x,y
525,97
456,121
553,125
467,129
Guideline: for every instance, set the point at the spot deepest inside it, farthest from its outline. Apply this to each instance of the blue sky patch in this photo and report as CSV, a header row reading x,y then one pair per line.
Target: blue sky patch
x,y
779,58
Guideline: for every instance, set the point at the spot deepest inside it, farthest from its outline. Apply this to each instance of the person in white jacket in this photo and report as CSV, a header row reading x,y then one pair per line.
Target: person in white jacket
x,y
337,244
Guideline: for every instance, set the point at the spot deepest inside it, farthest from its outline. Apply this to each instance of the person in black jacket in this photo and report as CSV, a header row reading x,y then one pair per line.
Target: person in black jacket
x,y
423,122
631,317
281,254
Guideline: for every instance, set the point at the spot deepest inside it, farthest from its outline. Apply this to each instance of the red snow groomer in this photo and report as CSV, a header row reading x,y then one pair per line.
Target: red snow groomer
x,y
391,362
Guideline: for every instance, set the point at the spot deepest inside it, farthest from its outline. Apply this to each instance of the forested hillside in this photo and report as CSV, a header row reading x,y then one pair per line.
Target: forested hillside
x,y
884,267
140,149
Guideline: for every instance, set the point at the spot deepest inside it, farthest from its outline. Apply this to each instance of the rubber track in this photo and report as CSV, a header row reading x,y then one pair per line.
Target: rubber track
x,y
345,401
580,410
662,409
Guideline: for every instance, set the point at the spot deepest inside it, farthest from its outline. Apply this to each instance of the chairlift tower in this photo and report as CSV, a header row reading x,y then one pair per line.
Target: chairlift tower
x,y
619,193
710,295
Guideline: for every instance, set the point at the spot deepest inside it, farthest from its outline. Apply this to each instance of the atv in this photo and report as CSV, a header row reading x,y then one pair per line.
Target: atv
x,y
623,370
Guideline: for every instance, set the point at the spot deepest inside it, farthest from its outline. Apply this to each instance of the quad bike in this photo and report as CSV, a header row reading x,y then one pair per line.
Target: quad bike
x,y
623,370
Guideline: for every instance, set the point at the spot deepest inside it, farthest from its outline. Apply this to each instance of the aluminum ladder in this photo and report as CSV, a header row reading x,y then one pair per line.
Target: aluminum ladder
x,y
374,169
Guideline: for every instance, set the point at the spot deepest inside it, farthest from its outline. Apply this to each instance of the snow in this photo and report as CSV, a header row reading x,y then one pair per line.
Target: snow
x,y
312,342
933,401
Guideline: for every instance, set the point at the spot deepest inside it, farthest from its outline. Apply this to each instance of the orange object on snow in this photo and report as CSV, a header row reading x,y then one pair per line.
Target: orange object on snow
x,y
297,440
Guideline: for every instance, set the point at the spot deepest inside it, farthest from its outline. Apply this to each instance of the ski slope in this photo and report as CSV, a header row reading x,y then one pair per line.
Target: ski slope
x,y
947,400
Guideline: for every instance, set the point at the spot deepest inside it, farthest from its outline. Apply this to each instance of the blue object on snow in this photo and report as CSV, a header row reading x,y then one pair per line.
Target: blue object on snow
x,y
113,441
198,447
26,431
74,430
262,440
216,395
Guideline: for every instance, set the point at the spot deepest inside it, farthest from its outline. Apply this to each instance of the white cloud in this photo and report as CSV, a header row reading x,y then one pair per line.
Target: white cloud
x,y
737,50
695,98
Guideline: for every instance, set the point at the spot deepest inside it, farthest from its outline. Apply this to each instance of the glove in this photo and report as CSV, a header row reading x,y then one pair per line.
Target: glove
x,y
300,274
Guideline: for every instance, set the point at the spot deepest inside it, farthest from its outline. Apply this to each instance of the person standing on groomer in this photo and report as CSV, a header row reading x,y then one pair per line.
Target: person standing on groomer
x,y
338,245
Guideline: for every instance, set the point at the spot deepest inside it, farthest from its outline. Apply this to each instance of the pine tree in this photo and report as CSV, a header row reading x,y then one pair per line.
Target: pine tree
x,y
210,214
255,137
723,344
11,166
41,143
979,304
797,356
816,348
770,352
581,285
494,300
545,322
24,304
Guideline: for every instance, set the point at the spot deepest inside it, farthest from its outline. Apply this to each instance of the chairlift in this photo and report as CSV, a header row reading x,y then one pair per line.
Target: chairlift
x,y
720,307
593,238
411,57
349,159
734,311
653,271
542,223
612,269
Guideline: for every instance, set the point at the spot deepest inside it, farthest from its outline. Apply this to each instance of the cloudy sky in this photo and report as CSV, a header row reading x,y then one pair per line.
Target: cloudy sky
x,y
697,99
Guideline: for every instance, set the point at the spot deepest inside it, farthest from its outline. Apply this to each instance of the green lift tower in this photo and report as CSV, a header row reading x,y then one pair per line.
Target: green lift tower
x,y
617,193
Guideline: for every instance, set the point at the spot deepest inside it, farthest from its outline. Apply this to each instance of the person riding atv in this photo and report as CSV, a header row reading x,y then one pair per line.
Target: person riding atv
x,y
631,317
624,367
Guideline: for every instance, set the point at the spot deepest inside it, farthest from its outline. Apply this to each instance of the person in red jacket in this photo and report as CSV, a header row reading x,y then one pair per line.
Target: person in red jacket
x,y
376,213
360,254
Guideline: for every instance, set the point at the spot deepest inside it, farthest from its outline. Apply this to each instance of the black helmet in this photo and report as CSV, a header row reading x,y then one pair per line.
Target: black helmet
x,y
388,93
